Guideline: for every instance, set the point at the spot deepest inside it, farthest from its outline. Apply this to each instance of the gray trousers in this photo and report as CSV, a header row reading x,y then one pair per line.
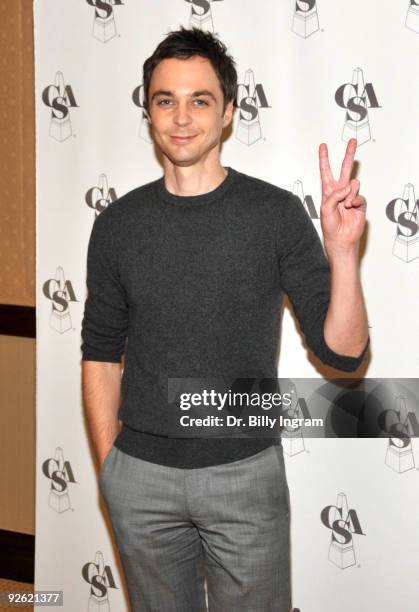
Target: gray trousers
x,y
174,527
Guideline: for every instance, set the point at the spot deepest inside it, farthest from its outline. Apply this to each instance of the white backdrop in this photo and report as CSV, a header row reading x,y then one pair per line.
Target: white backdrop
x,y
309,72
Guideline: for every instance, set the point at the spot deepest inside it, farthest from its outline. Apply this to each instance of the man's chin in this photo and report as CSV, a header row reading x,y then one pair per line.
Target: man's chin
x,y
181,160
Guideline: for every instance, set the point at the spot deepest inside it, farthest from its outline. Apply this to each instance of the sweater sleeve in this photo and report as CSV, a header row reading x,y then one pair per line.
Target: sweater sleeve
x,y
105,319
305,277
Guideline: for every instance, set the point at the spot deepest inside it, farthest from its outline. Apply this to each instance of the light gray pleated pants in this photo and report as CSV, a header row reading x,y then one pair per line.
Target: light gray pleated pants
x,y
228,522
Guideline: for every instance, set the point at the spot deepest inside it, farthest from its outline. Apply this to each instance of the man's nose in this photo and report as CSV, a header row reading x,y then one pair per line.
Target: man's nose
x,y
182,115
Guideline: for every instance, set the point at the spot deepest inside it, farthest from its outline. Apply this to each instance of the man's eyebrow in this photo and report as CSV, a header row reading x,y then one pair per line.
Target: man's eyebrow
x,y
200,92
203,92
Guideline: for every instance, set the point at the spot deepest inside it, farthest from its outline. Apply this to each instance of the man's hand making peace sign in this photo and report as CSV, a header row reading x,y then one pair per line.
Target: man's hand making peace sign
x,y
342,211
342,217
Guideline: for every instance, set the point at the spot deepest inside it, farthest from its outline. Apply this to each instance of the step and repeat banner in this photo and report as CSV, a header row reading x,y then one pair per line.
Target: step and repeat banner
x,y
309,72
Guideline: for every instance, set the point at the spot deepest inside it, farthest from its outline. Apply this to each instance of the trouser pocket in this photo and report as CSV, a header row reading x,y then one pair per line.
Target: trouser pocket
x,y
278,450
105,464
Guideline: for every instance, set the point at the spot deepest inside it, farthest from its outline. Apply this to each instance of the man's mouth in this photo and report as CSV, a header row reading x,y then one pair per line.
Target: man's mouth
x,y
181,139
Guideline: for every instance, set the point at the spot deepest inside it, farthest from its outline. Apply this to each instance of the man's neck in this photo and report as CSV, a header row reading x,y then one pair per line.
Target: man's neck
x,y
193,180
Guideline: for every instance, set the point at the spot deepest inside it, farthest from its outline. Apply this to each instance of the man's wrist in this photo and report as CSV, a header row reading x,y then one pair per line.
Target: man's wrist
x,y
342,254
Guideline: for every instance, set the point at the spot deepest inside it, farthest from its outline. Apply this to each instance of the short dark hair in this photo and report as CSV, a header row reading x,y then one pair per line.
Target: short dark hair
x,y
185,43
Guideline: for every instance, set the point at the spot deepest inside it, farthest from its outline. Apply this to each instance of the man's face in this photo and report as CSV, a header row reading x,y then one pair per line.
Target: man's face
x,y
186,109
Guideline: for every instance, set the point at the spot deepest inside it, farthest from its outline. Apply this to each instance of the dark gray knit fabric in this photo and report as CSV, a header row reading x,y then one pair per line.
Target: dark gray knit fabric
x,y
195,285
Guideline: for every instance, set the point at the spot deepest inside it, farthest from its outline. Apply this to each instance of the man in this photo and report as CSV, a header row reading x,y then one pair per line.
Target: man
x,y
191,269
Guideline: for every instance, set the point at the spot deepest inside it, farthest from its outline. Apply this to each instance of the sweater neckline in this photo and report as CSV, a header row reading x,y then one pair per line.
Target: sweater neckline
x,y
203,198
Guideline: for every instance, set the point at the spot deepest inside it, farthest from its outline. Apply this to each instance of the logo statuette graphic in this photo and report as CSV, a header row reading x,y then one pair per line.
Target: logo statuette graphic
x,y
60,473
412,16
343,523
138,99
404,212
100,578
104,26
356,97
249,98
307,200
61,293
99,196
305,21
201,14
402,424
292,437
59,98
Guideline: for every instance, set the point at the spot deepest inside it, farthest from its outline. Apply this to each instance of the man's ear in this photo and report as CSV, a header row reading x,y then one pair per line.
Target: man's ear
x,y
147,116
228,113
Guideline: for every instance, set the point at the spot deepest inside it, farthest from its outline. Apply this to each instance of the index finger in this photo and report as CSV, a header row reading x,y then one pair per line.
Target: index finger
x,y
325,171
348,161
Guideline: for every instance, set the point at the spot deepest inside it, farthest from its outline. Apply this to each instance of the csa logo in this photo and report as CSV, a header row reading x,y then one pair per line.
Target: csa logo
x,y
292,437
249,98
403,425
138,99
100,578
201,14
59,98
343,523
404,213
60,473
307,200
99,196
356,97
104,26
412,16
60,292
305,21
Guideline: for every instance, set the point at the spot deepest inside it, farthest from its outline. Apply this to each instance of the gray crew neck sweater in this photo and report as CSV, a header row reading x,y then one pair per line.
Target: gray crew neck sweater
x,y
195,285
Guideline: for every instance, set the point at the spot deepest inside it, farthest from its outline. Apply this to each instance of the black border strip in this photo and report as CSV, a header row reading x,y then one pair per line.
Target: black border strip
x,y
18,320
17,556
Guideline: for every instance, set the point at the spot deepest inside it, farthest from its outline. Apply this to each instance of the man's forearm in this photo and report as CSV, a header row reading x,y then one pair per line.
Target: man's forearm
x,y
101,387
346,324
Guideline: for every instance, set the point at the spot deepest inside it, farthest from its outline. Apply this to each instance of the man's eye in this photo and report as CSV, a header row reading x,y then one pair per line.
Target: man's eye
x,y
164,100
